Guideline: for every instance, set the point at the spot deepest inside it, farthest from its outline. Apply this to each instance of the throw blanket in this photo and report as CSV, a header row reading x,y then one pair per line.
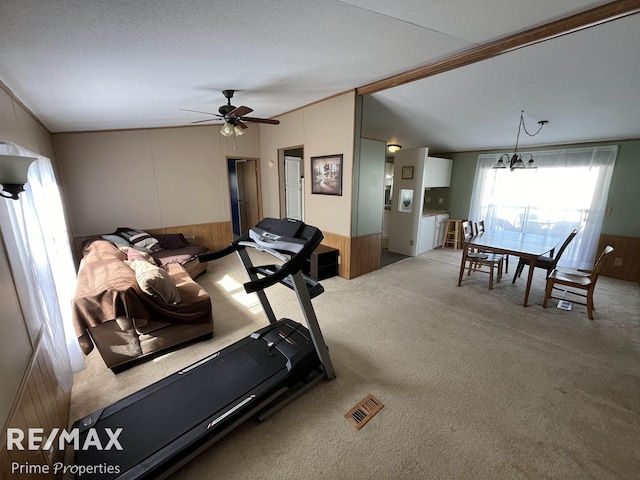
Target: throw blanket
x,y
107,289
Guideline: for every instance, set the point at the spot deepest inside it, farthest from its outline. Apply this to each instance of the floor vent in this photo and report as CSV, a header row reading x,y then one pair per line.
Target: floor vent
x,y
364,411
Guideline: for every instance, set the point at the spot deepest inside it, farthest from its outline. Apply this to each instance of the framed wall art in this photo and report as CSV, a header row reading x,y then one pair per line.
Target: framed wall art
x,y
406,201
407,173
326,175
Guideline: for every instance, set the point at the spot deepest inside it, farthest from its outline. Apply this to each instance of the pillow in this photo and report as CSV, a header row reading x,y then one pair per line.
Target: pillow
x,y
133,254
140,239
156,282
117,239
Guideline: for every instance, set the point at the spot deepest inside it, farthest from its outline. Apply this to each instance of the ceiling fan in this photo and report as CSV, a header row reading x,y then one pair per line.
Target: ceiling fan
x,y
233,117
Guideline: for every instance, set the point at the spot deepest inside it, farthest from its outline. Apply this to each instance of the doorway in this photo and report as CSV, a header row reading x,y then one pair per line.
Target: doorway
x,y
294,188
244,190
291,168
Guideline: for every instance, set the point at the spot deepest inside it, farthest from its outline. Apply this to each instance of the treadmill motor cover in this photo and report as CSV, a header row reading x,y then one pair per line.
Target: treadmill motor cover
x,y
161,420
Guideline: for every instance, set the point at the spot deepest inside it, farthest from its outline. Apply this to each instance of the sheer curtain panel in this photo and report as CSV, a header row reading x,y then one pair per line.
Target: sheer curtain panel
x,y
568,190
34,229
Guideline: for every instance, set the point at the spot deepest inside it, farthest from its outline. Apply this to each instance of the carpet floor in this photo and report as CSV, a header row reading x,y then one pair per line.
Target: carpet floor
x,y
474,385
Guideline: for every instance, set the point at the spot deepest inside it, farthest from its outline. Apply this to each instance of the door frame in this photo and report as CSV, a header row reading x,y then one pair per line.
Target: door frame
x,y
300,181
258,179
282,178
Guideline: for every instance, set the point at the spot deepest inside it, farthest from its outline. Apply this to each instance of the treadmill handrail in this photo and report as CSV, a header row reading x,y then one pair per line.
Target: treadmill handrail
x,y
295,263
209,256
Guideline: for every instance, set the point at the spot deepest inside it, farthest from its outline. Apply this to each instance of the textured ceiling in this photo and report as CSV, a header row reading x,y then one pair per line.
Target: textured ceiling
x,y
94,65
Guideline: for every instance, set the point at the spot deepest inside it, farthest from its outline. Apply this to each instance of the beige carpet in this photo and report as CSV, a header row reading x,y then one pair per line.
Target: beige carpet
x,y
474,385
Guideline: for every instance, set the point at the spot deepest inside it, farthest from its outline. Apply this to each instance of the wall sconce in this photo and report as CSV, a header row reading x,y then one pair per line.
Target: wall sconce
x,y
393,147
13,174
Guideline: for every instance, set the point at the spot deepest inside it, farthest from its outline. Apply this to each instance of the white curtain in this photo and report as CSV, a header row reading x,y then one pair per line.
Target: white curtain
x,y
568,189
35,231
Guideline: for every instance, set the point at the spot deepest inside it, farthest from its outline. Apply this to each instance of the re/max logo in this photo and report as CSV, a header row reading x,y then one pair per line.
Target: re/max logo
x,y
37,441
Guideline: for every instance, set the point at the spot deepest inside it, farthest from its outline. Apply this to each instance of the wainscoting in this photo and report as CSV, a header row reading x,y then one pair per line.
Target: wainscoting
x,y
343,245
41,403
358,255
366,254
214,236
627,249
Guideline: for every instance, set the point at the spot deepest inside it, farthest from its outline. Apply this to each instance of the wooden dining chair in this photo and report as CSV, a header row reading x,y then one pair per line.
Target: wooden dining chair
x,y
548,263
572,281
479,231
478,259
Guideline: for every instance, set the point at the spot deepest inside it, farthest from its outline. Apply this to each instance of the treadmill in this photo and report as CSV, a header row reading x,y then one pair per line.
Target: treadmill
x,y
165,425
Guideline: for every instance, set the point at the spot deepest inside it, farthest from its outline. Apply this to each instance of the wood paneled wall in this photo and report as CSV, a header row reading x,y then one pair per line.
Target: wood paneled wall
x,y
41,403
214,236
366,254
627,249
358,255
343,245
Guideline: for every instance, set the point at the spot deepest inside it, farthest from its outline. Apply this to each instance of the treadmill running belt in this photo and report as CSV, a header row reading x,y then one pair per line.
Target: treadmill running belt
x,y
157,419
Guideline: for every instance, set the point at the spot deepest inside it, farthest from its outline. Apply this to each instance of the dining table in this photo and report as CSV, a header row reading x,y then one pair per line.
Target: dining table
x,y
529,246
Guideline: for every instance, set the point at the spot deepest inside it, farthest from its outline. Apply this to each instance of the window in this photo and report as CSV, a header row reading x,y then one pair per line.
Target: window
x,y
35,232
568,190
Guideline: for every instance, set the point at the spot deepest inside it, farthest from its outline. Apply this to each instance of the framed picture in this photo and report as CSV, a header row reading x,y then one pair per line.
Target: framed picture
x,y
406,201
326,175
407,173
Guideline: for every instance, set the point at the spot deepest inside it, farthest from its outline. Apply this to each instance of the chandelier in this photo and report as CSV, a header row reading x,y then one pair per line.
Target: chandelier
x,y
517,160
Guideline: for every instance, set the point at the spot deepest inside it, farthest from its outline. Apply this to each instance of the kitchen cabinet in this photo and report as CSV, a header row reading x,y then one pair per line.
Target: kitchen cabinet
x,y
426,234
437,172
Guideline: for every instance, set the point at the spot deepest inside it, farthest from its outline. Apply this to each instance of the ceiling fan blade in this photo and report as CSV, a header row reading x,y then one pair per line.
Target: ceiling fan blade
x,y
241,110
261,120
207,120
198,111
238,122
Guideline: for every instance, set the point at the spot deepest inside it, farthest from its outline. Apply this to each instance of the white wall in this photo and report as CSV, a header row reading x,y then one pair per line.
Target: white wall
x,y
290,133
148,178
404,225
323,128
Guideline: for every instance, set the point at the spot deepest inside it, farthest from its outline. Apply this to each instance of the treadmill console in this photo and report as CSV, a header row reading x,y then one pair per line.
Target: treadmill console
x,y
266,239
274,236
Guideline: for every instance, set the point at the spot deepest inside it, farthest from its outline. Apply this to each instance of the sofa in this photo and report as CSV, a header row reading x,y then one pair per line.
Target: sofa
x,y
164,248
134,301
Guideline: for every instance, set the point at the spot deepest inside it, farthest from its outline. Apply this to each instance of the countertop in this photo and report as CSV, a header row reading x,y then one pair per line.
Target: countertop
x,y
432,212
425,213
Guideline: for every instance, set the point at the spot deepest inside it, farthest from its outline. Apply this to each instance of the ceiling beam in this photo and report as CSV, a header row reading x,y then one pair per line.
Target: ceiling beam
x,y
574,23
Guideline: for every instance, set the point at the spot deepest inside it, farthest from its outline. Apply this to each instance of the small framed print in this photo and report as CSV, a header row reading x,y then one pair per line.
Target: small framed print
x,y
407,173
406,201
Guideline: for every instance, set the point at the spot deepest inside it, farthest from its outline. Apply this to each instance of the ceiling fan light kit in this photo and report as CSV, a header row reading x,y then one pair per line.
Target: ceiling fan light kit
x,y
233,117
227,129
515,160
